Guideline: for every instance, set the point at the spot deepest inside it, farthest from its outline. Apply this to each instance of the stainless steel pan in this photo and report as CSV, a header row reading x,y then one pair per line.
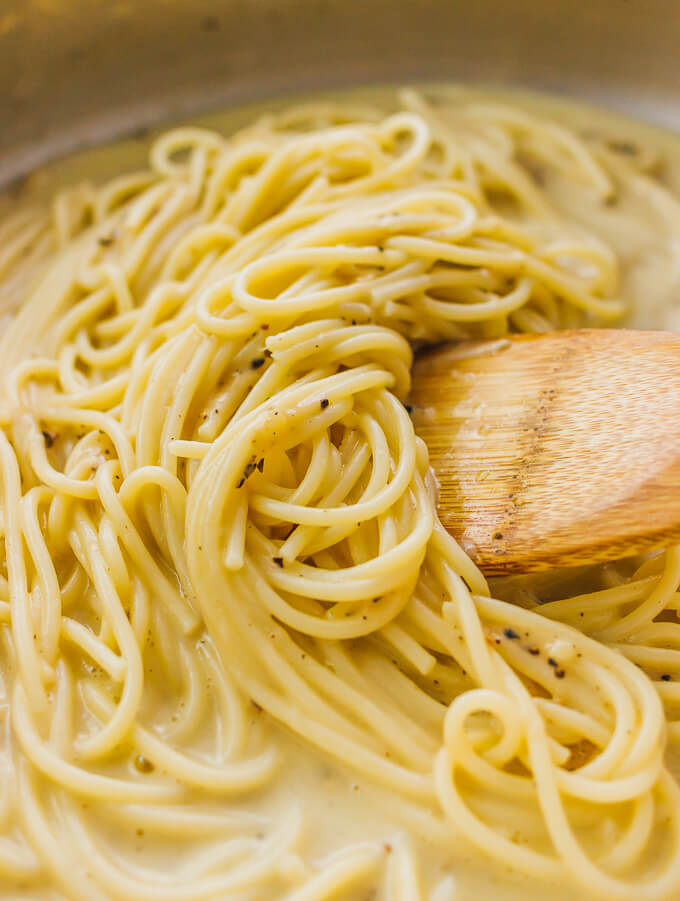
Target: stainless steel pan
x,y
74,72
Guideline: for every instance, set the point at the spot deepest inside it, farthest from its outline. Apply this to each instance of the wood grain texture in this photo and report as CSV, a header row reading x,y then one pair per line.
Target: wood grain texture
x,y
554,450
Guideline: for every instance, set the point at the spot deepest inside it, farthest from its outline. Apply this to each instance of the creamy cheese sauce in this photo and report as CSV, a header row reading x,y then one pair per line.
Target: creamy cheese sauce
x,y
339,806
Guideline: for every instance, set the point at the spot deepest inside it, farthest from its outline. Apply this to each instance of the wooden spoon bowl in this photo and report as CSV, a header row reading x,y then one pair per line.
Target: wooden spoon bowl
x,y
554,450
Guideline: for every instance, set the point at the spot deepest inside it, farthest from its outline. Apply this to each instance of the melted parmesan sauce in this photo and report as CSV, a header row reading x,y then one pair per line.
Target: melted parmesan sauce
x,y
339,807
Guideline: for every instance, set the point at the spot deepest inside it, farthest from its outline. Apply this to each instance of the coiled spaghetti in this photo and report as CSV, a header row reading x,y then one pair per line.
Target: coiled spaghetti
x,y
214,503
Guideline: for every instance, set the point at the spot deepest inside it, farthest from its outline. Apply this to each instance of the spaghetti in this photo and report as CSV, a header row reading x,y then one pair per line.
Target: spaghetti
x,y
217,518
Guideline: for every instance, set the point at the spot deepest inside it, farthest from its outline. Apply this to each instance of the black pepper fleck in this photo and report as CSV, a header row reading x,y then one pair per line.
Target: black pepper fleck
x,y
510,633
278,561
249,470
665,678
324,403
257,362
626,147
143,764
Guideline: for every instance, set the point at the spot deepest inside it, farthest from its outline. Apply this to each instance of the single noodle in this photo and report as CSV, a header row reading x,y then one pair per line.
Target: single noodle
x,y
219,527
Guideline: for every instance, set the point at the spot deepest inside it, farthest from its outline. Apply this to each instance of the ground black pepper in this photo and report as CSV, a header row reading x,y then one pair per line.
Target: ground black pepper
x,y
143,764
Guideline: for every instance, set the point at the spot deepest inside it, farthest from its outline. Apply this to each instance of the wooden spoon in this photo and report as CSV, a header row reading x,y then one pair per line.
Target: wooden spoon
x,y
554,450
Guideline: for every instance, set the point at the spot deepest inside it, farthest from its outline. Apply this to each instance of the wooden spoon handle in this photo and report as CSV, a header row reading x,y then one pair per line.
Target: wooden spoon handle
x,y
554,450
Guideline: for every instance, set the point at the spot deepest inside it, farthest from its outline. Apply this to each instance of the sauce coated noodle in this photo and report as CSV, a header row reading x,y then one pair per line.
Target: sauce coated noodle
x,y
218,520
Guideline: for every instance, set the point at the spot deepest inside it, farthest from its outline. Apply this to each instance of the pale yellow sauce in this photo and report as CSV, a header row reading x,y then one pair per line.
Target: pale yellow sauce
x,y
341,808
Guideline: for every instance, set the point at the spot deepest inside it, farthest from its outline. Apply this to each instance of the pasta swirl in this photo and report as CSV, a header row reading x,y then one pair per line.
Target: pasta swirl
x,y
219,523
